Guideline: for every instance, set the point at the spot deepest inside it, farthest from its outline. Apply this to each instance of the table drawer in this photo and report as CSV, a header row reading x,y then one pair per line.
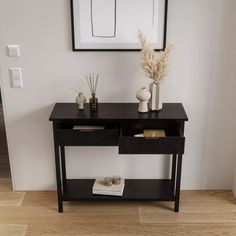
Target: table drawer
x,y
164,145
70,137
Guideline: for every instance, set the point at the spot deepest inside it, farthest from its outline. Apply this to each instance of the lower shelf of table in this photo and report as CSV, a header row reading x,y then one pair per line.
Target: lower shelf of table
x,y
135,189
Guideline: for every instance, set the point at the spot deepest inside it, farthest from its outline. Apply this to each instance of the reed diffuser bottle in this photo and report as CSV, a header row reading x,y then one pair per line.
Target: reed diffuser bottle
x,y
93,102
92,83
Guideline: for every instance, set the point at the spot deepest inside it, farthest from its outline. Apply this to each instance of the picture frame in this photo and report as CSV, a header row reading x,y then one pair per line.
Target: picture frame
x,y
108,25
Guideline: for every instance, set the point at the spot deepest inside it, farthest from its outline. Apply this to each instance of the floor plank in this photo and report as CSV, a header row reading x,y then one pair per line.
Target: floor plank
x,y
202,213
40,199
132,229
13,230
5,171
195,207
8,199
74,214
5,185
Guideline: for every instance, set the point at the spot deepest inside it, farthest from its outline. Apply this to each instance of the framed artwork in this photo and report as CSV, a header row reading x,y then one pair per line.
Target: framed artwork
x,y
112,25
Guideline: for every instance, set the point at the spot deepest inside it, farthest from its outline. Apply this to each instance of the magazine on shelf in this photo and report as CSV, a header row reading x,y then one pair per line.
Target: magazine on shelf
x,y
114,190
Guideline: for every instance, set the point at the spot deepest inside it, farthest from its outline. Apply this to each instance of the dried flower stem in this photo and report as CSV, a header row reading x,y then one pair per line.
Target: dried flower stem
x,y
154,64
77,89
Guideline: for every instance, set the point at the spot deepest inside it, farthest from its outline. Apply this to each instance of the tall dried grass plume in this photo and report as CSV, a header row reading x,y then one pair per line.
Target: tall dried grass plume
x,y
155,64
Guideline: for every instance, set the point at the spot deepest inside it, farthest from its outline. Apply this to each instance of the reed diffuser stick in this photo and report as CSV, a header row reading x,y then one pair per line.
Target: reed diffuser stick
x,y
87,78
92,81
96,82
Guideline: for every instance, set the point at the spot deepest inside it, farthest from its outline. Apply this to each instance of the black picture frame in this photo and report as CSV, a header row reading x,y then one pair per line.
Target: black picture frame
x,y
114,49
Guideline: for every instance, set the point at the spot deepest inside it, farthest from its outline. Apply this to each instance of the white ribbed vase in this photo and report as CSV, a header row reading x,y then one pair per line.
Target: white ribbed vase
x,y
154,103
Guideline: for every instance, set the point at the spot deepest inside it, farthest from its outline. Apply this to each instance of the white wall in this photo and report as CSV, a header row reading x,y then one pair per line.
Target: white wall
x,y
234,184
220,146
42,29
228,85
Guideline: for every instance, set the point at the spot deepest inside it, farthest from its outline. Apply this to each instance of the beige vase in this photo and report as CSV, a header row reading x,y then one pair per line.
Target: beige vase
x,y
154,103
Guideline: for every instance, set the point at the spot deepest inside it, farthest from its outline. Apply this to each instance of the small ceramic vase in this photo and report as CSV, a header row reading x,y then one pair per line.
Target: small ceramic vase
x,y
143,95
80,100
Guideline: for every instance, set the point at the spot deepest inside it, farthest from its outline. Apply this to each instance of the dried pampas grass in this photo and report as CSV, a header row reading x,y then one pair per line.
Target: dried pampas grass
x,y
155,64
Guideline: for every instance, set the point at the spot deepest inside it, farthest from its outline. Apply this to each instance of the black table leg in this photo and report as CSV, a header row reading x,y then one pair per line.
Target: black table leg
x,y
173,174
58,172
63,167
178,183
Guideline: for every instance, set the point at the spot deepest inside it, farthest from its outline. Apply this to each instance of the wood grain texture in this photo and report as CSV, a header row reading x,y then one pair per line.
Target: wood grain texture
x,y
13,230
203,213
5,185
4,170
196,207
11,198
132,230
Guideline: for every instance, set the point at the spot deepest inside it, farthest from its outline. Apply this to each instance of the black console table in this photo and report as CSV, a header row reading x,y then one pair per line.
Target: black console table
x,y
121,121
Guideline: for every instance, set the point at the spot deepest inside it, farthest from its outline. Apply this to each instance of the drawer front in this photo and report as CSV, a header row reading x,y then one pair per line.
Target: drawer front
x,y
69,137
167,145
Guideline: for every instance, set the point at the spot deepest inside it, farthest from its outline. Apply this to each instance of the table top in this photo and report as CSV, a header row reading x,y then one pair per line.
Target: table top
x,y
117,111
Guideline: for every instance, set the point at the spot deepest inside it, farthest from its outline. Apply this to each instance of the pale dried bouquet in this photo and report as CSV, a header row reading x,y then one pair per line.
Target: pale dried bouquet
x,y
155,64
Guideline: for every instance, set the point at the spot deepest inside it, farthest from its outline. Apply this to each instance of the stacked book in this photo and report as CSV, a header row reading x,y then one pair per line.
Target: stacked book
x,y
114,190
154,133
151,134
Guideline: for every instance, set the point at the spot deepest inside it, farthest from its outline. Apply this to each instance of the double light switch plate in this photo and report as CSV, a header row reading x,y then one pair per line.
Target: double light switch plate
x,y
15,72
16,77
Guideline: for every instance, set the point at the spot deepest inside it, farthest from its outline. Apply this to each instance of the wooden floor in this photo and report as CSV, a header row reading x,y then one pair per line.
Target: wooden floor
x,y
35,214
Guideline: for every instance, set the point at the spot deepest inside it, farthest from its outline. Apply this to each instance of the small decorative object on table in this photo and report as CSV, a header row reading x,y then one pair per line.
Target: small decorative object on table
x,y
92,83
155,66
100,186
80,98
143,95
116,179
108,181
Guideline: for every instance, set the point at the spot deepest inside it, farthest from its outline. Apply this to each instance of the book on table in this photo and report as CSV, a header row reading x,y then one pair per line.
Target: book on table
x,y
115,190
154,133
148,133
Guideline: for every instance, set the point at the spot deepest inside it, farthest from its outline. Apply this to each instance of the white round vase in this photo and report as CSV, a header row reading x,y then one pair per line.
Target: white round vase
x,y
143,95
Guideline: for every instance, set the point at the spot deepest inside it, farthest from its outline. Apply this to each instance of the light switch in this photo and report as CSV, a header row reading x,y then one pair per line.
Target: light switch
x,y
13,50
16,73
16,77
16,83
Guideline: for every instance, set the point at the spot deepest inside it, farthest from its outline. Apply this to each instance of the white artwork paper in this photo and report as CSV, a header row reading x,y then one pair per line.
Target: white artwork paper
x,y
114,24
